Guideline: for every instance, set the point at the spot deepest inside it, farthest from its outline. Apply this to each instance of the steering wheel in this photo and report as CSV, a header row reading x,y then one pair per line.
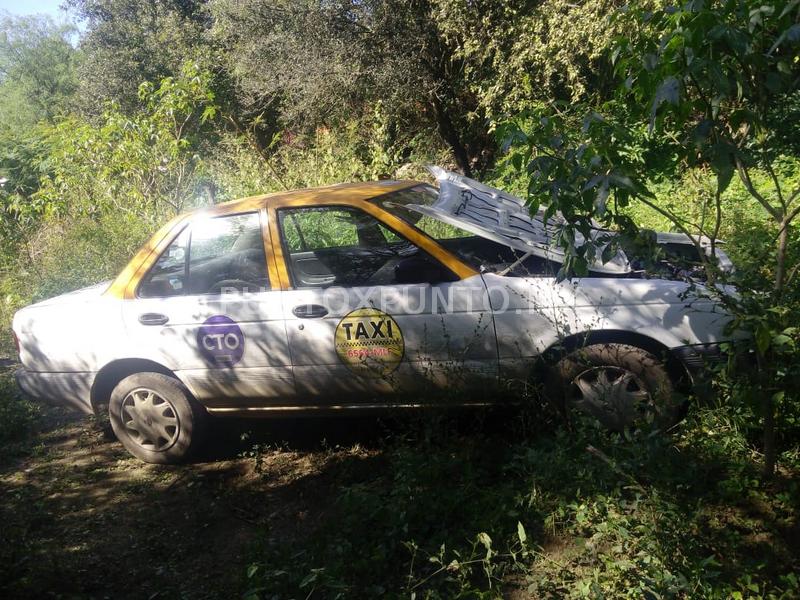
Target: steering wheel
x,y
239,285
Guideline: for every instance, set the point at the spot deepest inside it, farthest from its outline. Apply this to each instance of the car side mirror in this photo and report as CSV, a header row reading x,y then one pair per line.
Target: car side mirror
x,y
419,269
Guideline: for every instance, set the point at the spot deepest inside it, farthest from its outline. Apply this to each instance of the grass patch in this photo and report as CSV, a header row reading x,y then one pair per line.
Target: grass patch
x,y
445,514
17,414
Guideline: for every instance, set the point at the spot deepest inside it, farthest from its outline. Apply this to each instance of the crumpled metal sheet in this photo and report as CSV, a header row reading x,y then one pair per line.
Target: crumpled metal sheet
x,y
503,218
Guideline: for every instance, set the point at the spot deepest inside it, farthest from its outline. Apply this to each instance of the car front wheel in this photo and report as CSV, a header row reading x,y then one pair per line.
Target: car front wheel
x,y
156,418
619,385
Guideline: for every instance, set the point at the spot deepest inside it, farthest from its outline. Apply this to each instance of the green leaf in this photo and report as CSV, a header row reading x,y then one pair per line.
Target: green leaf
x,y
668,91
719,80
609,252
650,62
763,337
782,340
601,198
523,537
580,266
209,112
484,539
722,164
789,8
702,131
533,204
615,54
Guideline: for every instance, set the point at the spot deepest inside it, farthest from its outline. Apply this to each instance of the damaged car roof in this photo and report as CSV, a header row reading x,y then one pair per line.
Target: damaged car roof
x,y
498,216
503,218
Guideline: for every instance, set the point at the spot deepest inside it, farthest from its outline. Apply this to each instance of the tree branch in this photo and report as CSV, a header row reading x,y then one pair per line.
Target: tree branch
x,y
787,220
677,221
744,175
777,185
792,197
243,130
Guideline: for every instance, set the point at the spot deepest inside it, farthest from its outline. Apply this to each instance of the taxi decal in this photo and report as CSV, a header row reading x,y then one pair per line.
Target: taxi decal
x,y
221,341
369,342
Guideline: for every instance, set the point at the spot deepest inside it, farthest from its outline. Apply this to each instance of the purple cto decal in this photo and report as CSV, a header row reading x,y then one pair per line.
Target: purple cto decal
x,y
221,341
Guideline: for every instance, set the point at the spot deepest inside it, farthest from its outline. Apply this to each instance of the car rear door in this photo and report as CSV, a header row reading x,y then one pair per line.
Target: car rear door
x,y
369,313
207,311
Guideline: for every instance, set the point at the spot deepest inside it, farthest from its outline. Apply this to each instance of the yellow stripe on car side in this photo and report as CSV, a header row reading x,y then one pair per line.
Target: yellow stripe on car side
x,y
272,263
277,249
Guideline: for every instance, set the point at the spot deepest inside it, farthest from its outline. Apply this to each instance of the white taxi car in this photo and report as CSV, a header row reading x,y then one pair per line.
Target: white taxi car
x,y
360,297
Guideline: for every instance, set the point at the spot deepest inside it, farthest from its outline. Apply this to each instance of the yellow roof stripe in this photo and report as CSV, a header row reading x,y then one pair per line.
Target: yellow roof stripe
x,y
124,286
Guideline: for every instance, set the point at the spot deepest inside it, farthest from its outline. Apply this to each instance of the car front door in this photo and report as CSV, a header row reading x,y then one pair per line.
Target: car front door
x,y
207,311
370,313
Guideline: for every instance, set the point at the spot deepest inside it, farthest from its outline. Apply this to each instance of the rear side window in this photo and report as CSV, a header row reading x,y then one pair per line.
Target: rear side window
x,y
212,256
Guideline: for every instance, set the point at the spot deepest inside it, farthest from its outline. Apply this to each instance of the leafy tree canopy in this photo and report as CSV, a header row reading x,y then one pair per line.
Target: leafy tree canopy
x,y
37,69
708,85
128,42
321,63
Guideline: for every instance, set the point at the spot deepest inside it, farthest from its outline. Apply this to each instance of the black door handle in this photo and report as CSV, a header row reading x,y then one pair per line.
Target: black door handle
x,y
309,311
153,319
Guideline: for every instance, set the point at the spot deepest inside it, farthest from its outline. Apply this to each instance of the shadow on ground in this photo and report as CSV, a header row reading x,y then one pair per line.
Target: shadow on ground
x,y
80,517
362,505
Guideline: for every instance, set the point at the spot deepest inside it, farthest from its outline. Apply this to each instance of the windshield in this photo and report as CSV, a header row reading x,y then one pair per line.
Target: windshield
x,y
478,252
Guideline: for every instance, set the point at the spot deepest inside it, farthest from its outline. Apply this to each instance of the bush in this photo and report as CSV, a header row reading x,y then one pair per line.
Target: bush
x,y
355,152
67,255
83,252
16,413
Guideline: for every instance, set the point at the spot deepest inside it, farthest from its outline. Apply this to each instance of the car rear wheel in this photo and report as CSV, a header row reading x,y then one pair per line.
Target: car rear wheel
x,y
156,418
619,385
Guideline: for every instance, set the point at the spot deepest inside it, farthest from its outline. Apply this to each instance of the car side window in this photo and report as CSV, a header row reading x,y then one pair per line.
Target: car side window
x,y
344,246
168,276
212,256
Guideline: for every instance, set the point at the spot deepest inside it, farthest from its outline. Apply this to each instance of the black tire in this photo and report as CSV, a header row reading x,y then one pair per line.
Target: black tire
x,y
156,418
621,386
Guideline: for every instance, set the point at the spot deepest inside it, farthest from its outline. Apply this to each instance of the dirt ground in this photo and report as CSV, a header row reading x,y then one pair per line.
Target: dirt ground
x,y
80,517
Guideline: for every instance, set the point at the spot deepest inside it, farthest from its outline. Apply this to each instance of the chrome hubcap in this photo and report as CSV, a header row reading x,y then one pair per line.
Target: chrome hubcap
x,y
614,396
150,419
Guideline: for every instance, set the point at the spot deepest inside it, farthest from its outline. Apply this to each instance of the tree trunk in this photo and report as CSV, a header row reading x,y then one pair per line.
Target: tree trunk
x,y
780,266
767,403
450,135
768,407
768,411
